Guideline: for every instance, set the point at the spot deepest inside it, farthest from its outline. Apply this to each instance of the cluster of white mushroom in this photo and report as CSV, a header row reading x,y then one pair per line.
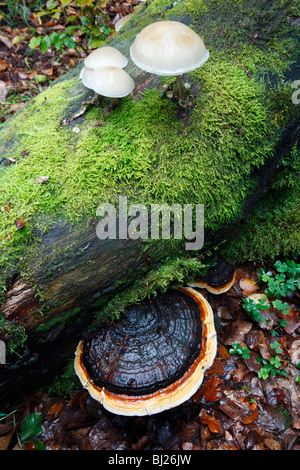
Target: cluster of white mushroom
x,y
103,72
163,48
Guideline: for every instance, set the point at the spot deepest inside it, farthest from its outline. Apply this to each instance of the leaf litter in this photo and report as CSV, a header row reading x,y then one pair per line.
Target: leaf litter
x,y
234,409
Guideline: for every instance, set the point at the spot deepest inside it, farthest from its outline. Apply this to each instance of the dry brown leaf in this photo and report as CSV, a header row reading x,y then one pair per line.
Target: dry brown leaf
x,y
212,389
5,440
251,418
189,446
237,331
213,425
294,352
20,224
248,286
224,352
6,41
216,369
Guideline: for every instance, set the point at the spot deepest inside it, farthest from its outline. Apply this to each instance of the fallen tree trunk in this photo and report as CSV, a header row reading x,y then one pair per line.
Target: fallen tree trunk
x,y
224,152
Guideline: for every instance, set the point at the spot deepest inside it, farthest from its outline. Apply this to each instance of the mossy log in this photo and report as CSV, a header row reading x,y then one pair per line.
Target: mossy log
x,y
62,156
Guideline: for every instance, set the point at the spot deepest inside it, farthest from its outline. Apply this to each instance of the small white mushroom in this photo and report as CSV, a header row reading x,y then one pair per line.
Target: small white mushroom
x,y
104,56
112,82
169,48
85,76
122,21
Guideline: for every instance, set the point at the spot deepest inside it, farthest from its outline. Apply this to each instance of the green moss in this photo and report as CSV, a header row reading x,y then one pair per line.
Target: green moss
x,y
273,228
232,130
13,335
174,272
65,384
62,320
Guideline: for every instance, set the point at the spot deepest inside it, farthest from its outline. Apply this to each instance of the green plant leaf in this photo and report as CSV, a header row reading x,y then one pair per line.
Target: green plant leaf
x,y
45,43
31,426
95,42
35,42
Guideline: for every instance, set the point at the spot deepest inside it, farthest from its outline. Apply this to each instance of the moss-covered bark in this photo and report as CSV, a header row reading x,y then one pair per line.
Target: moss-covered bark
x,y
238,141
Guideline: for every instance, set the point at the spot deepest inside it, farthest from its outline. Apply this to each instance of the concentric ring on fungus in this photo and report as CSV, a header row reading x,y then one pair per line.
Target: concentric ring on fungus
x,y
154,358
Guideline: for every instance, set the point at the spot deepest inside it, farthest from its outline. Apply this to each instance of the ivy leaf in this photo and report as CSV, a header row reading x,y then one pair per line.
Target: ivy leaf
x,y
31,426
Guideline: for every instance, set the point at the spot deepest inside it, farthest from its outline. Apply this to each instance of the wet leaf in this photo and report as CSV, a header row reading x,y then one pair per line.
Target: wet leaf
x,y
211,391
31,426
213,425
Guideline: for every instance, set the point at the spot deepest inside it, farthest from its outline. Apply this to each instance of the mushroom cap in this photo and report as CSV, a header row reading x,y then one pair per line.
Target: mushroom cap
x,y
82,71
103,56
112,82
86,75
218,279
122,21
168,48
154,358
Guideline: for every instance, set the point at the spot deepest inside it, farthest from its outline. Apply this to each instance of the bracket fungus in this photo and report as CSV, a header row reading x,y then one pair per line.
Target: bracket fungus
x,y
218,279
169,48
153,358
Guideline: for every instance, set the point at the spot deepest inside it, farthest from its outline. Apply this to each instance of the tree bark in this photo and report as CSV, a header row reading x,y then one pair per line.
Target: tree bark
x,y
78,269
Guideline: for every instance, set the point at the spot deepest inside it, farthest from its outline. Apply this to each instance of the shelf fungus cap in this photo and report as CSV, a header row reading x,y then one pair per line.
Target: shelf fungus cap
x,y
168,48
112,82
103,56
218,279
153,358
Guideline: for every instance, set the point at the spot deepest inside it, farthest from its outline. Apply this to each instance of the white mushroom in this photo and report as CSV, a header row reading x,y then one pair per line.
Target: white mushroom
x,y
112,82
103,56
169,48
85,76
122,21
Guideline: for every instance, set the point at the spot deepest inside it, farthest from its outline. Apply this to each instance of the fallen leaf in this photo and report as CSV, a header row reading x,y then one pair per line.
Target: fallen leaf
x,y
20,224
3,65
224,352
213,425
6,42
237,331
251,418
5,440
189,446
294,352
248,286
210,391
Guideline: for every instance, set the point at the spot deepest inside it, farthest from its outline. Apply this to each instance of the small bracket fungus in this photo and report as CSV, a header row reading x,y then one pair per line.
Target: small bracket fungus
x,y
154,358
218,279
104,56
169,48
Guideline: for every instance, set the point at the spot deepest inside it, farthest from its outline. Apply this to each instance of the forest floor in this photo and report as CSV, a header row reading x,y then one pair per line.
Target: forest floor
x,y
249,400
250,397
27,69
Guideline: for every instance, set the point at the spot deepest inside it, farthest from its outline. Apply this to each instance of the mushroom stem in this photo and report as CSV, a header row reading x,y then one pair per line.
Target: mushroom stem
x,y
181,90
114,103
